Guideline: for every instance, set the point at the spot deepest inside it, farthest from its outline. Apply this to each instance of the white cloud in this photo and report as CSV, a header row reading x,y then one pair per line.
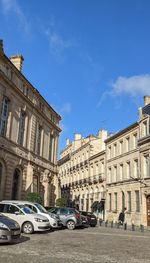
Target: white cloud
x,y
57,43
66,108
133,86
12,7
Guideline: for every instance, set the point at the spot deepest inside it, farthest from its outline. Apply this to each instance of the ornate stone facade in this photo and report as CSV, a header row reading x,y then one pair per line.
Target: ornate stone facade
x,y
81,170
29,131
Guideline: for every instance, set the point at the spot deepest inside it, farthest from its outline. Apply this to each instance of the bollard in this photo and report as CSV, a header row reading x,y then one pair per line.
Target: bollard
x,y
125,226
141,228
106,223
100,222
118,225
112,224
133,227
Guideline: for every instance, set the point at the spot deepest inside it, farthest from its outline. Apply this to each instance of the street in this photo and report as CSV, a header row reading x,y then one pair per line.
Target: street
x,y
81,245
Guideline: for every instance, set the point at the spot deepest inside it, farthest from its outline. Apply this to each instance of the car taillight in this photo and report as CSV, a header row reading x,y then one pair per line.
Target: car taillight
x,y
77,215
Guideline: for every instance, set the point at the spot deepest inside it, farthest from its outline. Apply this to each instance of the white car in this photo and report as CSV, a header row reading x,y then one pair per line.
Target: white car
x,y
54,220
24,216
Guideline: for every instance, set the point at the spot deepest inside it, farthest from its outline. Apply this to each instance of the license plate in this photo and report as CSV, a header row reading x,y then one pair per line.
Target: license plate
x,y
92,218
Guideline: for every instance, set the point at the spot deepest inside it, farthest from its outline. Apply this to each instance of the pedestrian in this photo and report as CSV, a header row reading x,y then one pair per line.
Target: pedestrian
x,y
121,217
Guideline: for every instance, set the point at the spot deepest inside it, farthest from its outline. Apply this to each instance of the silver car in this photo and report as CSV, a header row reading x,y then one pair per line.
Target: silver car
x,y
9,230
70,217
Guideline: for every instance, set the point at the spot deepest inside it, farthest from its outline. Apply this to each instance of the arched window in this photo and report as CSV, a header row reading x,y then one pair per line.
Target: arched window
x,y
16,184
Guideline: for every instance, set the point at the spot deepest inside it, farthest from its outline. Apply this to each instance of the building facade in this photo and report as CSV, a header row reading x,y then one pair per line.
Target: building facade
x,y
29,131
113,169
81,170
127,171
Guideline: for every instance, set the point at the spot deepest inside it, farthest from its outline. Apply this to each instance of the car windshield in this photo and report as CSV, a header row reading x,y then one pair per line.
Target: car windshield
x,y
41,208
26,209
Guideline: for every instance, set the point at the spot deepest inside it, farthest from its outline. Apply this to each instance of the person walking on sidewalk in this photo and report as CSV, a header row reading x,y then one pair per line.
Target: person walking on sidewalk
x,y
121,217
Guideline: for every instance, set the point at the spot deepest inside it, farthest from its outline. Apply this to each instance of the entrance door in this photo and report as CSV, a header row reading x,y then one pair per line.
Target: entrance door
x,y
148,210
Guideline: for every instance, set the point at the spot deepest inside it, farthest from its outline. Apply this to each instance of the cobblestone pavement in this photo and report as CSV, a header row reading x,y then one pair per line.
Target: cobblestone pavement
x,y
82,245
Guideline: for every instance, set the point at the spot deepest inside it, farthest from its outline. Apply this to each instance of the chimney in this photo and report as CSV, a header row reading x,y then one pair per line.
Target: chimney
x,y
67,142
146,100
17,60
77,136
1,46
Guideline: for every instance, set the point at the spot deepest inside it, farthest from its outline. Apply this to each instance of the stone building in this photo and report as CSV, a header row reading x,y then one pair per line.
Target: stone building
x,y
127,170
81,170
29,131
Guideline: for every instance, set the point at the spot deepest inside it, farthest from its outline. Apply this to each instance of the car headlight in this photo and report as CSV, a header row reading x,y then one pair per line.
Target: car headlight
x,y
39,220
3,226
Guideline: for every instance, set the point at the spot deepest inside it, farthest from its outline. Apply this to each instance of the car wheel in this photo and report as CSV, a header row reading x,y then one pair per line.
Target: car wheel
x,y
71,225
27,228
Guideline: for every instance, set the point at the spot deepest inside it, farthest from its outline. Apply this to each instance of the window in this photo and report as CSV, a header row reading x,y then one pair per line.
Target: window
x,y
137,200
38,139
121,147
11,209
109,152
15,184
144,129
134,141
50,147
115,173
109,175
21,128
110,201
4,116
115,150
2,208
115,197
129,201
128,144
128,170
146,165
121,172
136,169
123,200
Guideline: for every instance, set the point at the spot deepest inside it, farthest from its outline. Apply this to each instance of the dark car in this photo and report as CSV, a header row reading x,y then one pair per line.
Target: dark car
x,y
70,217
9,229
91,218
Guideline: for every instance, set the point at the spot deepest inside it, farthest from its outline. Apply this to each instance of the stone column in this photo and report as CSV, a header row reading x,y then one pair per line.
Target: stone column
x,y
47,188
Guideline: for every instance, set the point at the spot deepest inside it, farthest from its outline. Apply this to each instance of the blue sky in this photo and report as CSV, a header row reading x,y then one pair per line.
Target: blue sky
x,y
90,59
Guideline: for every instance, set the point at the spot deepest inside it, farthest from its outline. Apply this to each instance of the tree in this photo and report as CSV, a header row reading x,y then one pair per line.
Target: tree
x,y
34,197
62,202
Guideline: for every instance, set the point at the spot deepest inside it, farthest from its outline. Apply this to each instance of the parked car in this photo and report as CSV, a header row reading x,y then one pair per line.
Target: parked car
x,y
54,220
25,217
91,218
70,217
85,222
9,230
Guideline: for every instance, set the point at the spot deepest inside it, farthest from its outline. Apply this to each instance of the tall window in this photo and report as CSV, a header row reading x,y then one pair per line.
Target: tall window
x,y
50,147
115,173
110,202
121,172
115,196
109,152
15,184
115,150
129,201
38,139
144,129
134,141
109,175
123,200
146,165
128,144
21,128
121,147
128,170
136,169
137,200
4,116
